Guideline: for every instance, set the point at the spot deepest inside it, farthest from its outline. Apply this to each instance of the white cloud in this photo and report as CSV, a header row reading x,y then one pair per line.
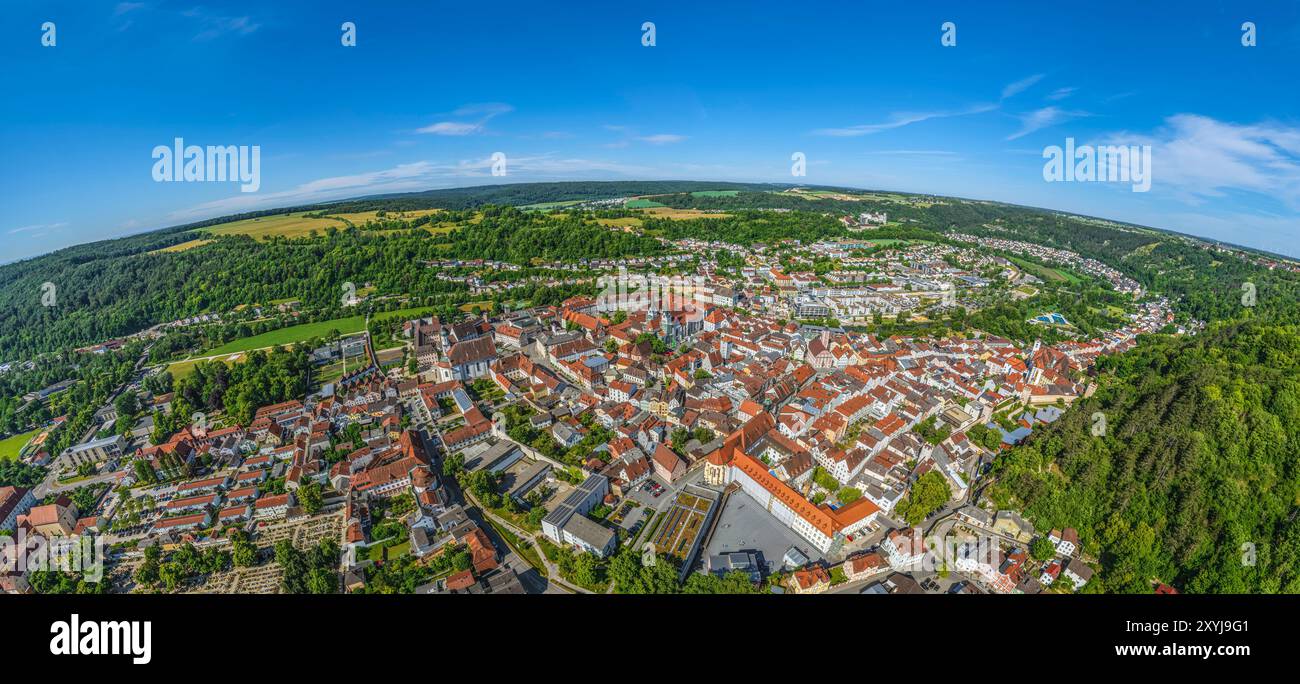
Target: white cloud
x,y
1044,118
1201,157
214,26
38,226
484,112
451,128
630,135
485,109
899,120
662,138
917,153
1062,93
1020,86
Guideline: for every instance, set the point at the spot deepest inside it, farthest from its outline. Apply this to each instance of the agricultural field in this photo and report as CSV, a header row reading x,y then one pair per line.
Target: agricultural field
x,y
641,203
857,197
10,447
283,225
671,213
189,244
361,218
715,193
625,222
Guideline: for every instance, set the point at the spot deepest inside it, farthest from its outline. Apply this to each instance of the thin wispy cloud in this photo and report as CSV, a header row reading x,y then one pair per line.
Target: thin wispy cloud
x,y
214,26
486,109
916,153
1062,93
631,135
479,114
902,119
662,138
121,21
1046,117
899,120
38,227
451,128
1012,89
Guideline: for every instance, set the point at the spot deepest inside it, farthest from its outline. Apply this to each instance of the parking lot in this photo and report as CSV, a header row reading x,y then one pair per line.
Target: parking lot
x,y
645,496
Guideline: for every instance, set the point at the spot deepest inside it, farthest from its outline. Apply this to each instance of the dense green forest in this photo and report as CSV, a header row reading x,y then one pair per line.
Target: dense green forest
x,y
240,389
1194,479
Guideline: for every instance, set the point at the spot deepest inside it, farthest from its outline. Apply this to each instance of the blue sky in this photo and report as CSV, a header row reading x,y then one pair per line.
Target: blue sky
x,y
729,92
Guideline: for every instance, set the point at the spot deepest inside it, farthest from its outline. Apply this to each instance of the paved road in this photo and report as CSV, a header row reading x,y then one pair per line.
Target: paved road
x,y
50,485
553,577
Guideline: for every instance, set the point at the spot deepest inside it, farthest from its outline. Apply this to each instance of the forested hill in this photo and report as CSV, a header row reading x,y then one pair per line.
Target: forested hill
x,y
111,296
1196,479
517,194
117,287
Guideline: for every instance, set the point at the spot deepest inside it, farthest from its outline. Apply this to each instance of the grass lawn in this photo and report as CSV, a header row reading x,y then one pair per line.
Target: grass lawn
x,y
399,549
10,447
181,369
286,336
1047,273
641,204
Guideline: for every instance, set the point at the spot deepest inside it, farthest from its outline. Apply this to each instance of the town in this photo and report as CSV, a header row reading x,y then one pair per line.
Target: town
x,y
723,425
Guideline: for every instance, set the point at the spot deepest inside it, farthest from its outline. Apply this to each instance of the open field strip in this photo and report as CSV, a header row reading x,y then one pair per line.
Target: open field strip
x,y
671,213
281,225
360,218
181,247
234,350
